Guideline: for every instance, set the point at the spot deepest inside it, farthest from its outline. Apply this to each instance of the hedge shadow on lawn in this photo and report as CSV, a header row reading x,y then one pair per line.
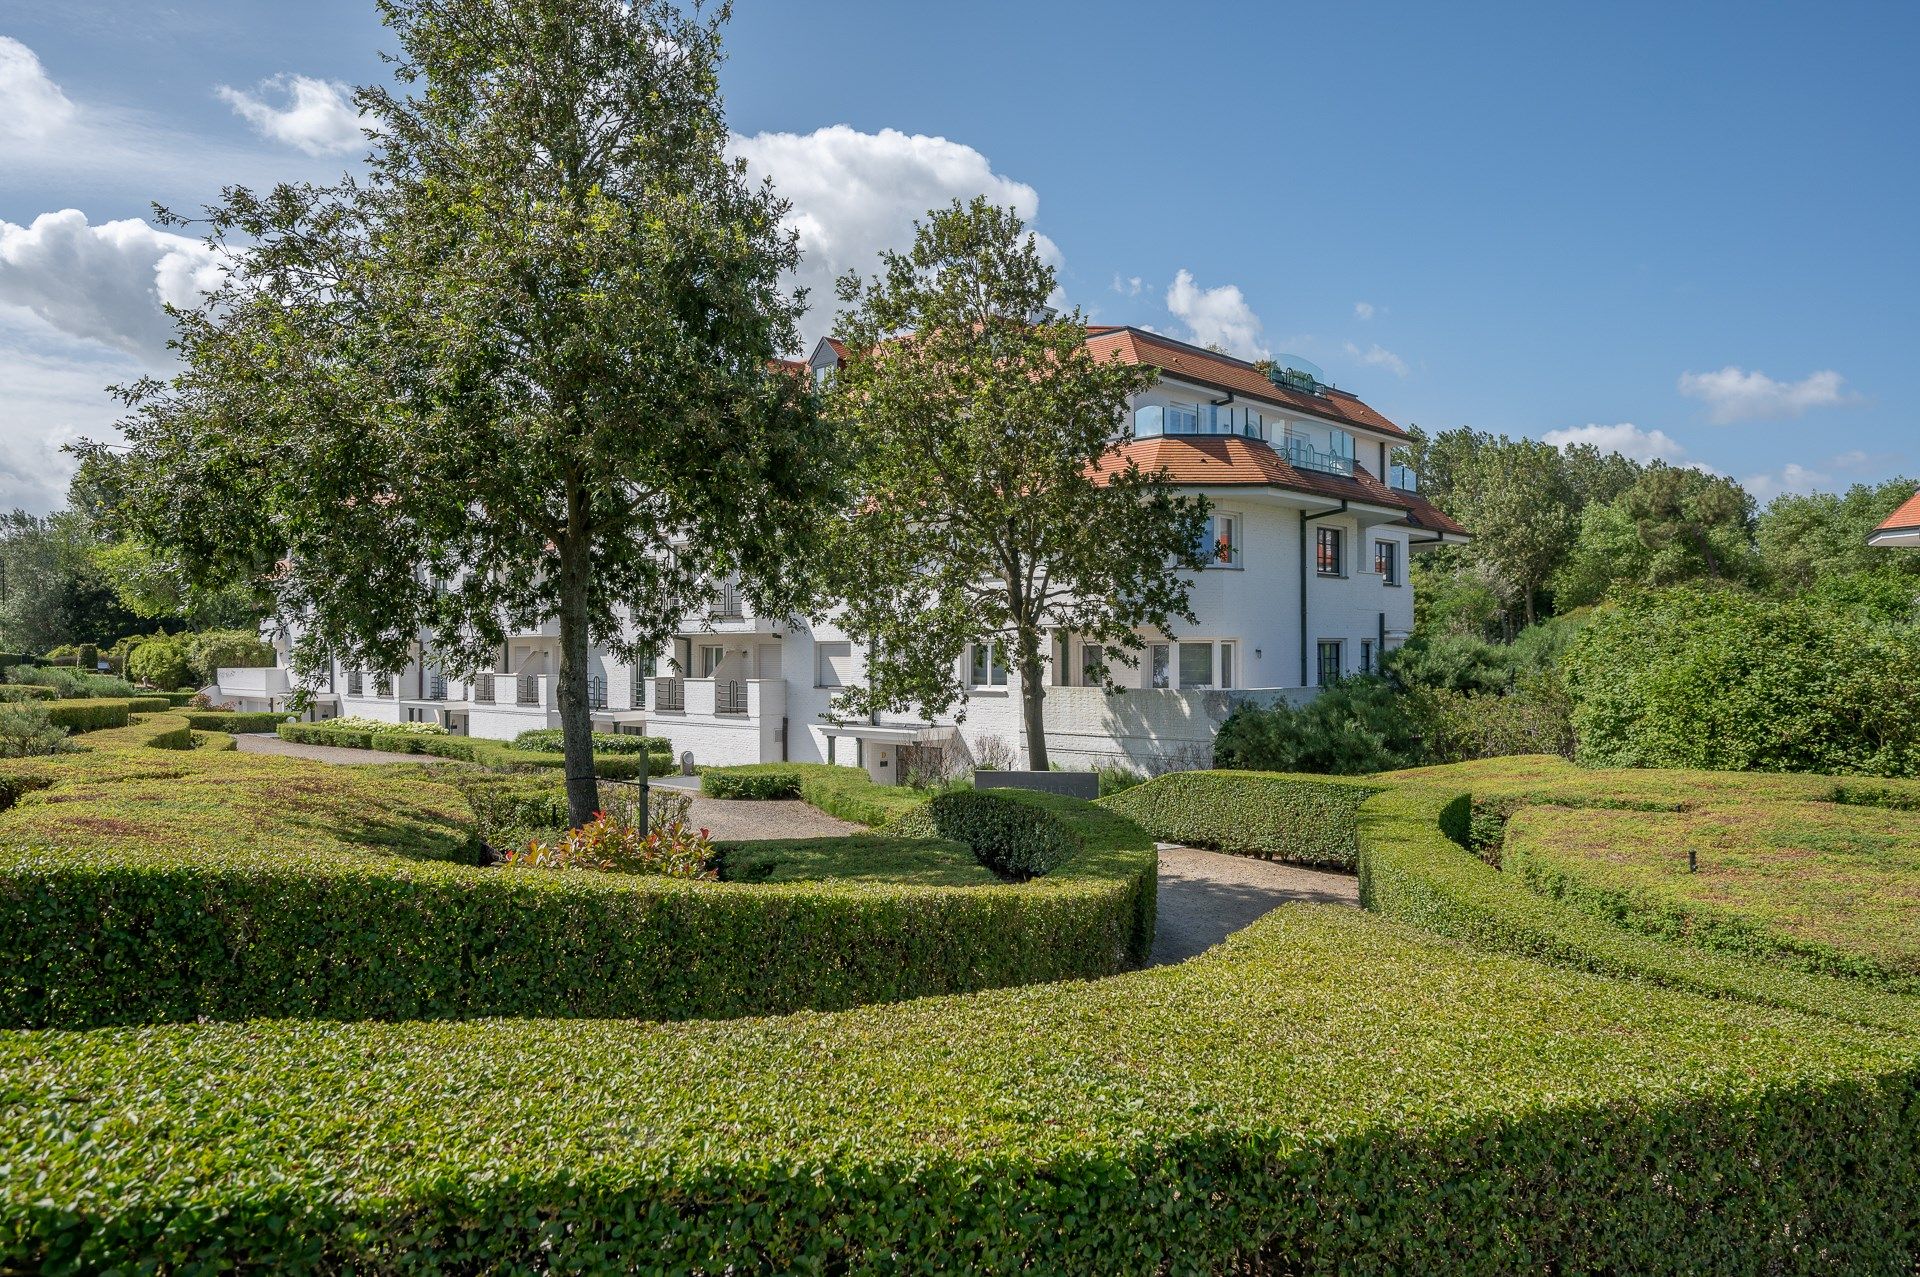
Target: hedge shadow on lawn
x,y
132,924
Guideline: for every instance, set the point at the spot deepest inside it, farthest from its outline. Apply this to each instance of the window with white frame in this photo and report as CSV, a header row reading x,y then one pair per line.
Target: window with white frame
x,y
1220,541
1206,664
1160,665
1227,653
1183,419
986,664
832,664
711,655
1386,561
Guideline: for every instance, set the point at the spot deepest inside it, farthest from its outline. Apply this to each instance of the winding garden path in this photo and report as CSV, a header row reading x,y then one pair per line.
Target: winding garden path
x,y
1207,895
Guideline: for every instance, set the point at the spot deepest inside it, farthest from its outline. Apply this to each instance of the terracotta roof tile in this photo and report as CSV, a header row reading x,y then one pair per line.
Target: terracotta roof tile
x,y
1906,518
1190,362
1228,460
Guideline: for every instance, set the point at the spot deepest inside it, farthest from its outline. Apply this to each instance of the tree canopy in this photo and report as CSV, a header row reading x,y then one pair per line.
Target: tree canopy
x,y
519,372
989,509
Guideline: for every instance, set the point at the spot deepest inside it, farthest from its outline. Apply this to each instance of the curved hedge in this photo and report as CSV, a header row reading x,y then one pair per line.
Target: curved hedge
x,y
105,920
1414,867
846,792
1304,819
1328,1092
468,749
224,720
97,713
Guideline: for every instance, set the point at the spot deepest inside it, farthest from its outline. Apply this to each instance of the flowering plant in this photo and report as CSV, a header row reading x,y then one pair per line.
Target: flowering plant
x,y
612,845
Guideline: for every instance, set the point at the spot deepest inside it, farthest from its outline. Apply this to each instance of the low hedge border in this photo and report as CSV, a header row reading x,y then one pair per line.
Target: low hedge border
x,y
1414,866
468,749
846,792
180,932
1328,1092
1306,820
220,720
90,715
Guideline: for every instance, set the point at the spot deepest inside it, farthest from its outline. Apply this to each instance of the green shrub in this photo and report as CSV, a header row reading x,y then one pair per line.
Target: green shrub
x,y
546,740
751,785
1534,718
27,730
161,661
26,692
1354,726
88,715
210,651
1017,840
1308,820
359,733
1328,1092
1698,678
228,721
70,684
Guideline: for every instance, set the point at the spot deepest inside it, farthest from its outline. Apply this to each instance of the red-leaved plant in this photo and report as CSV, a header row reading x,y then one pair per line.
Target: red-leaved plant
x,y
612,845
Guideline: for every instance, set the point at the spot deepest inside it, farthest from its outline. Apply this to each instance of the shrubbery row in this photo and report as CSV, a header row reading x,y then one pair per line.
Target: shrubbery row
x,y
470,749
1231,1113
846,792
1307,820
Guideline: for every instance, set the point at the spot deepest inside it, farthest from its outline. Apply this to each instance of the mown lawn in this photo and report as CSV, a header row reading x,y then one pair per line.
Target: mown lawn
x,y
1817,872
913,862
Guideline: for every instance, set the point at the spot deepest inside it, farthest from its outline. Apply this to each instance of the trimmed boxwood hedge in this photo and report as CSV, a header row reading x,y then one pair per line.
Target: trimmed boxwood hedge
x,y
469,749
219,720
1017,840
93,714
1307,820
846,792
1328,1092
186,927
1414,866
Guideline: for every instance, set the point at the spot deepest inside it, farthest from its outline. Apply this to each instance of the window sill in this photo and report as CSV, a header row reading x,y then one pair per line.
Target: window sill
x,y
991,689
1332,576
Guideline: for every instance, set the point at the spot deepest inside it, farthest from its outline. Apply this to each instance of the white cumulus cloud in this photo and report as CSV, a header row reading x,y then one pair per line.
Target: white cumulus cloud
x,y
1378,356
315,116
103,283
855,193
1364,310
1218,316
1733,394
1127,287
32,107
1624,438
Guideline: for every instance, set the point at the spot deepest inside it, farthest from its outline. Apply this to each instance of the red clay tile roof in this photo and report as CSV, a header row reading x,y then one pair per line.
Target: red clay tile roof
x,y
1208,460
1191,363
1905,519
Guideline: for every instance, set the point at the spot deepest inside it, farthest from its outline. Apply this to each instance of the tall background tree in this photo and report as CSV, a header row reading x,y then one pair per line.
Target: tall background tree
x,y
518,373
981,423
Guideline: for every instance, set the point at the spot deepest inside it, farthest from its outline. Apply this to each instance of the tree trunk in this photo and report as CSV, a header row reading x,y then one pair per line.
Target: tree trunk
x,y
1033,692
576,721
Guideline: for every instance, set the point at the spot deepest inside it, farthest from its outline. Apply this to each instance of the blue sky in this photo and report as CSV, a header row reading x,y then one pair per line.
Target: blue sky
x,y
1684,230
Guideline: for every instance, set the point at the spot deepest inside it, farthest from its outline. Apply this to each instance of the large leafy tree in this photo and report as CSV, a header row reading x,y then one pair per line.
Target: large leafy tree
x,y
1807,539
517,373
1516,496
1674,524
990,506
52,592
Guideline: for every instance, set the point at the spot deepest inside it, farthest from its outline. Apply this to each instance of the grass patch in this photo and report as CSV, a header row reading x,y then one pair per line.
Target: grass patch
x,y
912,862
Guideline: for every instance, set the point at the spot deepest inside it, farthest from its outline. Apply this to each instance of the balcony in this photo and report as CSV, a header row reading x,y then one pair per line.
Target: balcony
x,y
596,692
730,697
1301,453
670,694
483,689
262,680
526,689
726,603
436,686
1403,478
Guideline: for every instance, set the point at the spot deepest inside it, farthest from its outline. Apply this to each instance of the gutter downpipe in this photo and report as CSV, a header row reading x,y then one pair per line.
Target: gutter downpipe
x,y
1305,519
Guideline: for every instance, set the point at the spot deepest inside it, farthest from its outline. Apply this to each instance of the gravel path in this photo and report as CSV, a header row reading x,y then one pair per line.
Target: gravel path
x,y
255,744
1205,895
733,819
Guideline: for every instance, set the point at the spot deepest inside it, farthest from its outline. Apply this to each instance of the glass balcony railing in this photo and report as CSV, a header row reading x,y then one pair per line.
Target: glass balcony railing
x,y
1301,452
1403,477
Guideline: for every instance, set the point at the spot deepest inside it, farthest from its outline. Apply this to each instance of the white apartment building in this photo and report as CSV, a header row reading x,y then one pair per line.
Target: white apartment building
x,y
1316,523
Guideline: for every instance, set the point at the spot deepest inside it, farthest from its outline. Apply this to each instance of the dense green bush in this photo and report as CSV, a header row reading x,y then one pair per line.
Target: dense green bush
x,y
1304,819
1729,681
470,749
26,692
210,720
160,661
547,740
1017,840
88,715
27,730
846,792
1354,726
70,684
1327,1093
1535,717
755,785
